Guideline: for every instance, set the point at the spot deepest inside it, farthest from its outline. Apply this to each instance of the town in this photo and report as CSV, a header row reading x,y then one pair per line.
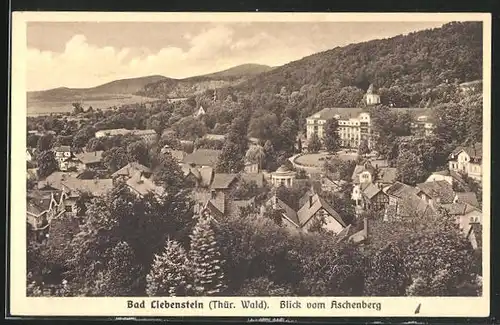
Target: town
x,y
323,201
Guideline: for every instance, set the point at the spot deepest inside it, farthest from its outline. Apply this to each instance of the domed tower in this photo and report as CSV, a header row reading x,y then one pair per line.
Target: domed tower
x,y
370,97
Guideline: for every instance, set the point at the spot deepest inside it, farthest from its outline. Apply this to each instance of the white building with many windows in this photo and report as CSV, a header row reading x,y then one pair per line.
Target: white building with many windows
x,y
354,125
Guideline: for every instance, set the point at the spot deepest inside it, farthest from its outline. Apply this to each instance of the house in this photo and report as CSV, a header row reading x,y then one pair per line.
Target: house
x,y
410,206
146,135
54,181
42,206
423,125
364,173
142,186
89,160
200,112
283,176
386,176
214,137
327,182
234,207
178,155
464,214
399,191
63,155
131,169
313,212
199,177
446,175
202,157
361,176
471,86
111,132
218,192
475,235
437,192
373,197
94,187
467,161
371,98
468,198
251,167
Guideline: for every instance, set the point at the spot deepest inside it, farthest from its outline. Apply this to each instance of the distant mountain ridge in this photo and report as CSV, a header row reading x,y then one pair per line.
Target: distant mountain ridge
x,y
149,86
116,87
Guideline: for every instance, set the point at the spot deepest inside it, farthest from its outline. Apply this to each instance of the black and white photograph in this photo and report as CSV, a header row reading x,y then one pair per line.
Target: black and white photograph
x,y
253,158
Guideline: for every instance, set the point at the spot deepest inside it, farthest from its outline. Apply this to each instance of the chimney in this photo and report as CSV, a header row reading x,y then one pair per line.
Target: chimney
x,y
275,201
310,200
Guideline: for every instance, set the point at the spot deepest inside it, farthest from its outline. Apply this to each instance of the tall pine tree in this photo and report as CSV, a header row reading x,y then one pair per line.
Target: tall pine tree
x,y
170,272
206,259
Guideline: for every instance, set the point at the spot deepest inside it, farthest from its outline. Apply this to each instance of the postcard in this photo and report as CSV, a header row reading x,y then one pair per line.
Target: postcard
x,y
250,164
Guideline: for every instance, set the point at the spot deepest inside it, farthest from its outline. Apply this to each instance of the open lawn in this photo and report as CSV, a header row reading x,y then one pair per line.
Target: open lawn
x,y
317,159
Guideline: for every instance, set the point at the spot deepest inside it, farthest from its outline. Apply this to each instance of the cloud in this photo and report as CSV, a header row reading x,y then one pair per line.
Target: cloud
x,y
82,64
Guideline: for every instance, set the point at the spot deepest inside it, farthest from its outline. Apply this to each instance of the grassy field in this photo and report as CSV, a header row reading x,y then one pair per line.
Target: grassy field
x,y
317,159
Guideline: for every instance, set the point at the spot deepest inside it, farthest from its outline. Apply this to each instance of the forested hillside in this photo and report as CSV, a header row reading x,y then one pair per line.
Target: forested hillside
x,y
405,68
179,88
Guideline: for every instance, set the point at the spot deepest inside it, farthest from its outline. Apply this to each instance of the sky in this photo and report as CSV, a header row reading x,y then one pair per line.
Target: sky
x,y
87,54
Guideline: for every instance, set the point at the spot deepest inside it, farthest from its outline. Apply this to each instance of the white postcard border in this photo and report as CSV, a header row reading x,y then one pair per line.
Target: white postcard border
x,y
20,305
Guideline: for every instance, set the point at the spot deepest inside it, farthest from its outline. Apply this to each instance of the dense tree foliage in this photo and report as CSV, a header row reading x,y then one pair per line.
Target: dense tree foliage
x,y
314,144
46,163
331,138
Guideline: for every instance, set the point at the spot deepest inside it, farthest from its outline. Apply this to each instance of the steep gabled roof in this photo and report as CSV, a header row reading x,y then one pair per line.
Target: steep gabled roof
x,y
438,190
361,168
289,213
223,181
307,211
92,157
130,169
143,185
370,191
55,179
401,190
96,187
203,157
459,209
387,175
475,151
467,197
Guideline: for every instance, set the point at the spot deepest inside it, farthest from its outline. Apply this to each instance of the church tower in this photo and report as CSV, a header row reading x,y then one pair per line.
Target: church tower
x,y
370,97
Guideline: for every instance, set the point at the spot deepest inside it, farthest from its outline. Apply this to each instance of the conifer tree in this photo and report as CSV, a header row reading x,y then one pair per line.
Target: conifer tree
x,y
206,259
170,272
